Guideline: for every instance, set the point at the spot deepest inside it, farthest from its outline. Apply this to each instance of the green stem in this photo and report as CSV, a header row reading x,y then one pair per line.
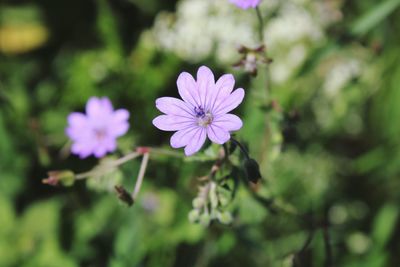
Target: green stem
x,y
244,151
262,39
142,171
166,152
260,25
112,164
126,158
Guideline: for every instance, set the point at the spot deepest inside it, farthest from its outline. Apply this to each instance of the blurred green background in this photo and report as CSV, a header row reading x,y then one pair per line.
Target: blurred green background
x,y
330,153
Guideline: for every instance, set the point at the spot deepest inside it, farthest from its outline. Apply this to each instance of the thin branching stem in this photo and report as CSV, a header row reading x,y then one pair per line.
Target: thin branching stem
x,y
261,37
165,152
112,164
126,158
142,170
260,26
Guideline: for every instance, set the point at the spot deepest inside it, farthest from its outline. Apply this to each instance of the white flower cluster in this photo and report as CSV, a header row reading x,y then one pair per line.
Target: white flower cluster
x,y
201,27
333,104
340,74
204,28
290,35
294,23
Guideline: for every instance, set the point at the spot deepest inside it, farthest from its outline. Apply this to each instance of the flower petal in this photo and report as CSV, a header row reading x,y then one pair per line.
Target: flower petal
x,y
228,122
118,129
222,90
76,119
77,125
187,89
225,84
110,144
83,149
173,106
172,122
119,124
245,4
100,151
182,137
97,107
205,84
217,134
230,103
196,141
121,115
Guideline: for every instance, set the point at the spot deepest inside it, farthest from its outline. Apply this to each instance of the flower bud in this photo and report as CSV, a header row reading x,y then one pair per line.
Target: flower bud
x,y
251,58
225,217
194,215
65,178
123,195
252,170
198,202
224,200
213,195
205,219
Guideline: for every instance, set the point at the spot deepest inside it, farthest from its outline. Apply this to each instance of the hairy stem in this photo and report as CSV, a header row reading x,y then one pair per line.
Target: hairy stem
x,y
142,171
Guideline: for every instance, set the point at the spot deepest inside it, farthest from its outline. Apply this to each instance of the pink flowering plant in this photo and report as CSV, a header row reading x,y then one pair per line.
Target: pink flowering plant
x,y
203,125
202,113
96,132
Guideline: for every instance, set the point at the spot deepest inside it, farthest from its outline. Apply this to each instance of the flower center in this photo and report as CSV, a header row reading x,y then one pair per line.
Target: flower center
x,y
204,118
100,134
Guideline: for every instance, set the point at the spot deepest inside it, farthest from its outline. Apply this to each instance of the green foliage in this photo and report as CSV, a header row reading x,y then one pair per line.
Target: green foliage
x,y
327,146
374,16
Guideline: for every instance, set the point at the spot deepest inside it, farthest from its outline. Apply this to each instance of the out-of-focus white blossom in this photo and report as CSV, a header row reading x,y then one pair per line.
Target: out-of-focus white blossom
x,y
213,28
289,37
333,104
203,27
282,69
292,25
340,74
328,11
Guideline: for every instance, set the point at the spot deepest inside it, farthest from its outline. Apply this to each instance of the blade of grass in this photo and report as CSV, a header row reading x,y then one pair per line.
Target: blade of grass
x,y
374,16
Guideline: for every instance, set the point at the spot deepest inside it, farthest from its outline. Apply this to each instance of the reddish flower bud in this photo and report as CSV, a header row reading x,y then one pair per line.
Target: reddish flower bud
x,y
65,178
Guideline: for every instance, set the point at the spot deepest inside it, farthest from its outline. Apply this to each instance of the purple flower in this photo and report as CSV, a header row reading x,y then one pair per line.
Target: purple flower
x,y
96,132
203,111
245,4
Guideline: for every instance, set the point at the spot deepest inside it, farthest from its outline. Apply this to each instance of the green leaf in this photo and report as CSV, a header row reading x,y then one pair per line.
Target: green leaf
x,y
374,16
7,216
384,224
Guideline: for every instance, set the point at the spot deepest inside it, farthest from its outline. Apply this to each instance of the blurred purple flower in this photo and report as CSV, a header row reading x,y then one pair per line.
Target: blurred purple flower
x,y
245,4
203,111
96,132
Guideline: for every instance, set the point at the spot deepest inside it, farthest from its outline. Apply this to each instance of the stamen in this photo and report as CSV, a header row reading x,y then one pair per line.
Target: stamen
x,y
199,112
203,118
